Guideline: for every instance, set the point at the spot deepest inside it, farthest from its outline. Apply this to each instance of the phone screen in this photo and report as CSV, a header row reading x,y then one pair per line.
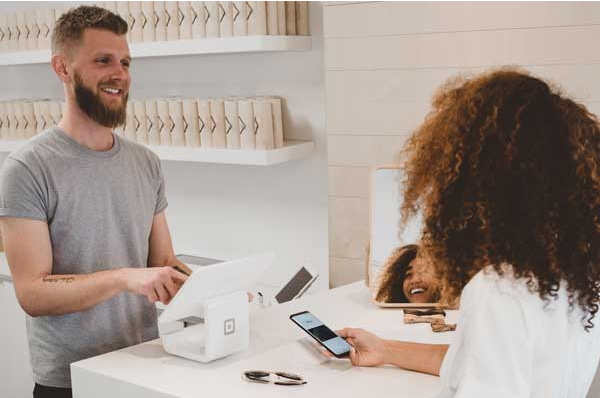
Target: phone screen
x,y
313,326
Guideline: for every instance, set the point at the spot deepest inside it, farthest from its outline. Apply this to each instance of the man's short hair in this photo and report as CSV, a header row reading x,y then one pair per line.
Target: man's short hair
x,y
69,28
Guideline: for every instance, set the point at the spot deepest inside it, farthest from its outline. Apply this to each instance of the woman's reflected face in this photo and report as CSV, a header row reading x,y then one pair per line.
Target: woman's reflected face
x,y
419,282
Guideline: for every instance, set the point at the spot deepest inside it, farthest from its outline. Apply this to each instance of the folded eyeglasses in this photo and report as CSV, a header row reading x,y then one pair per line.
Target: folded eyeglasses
x,y
280,378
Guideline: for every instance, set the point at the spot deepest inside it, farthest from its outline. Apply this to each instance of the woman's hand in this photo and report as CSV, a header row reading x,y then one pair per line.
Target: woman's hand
x,y
367,348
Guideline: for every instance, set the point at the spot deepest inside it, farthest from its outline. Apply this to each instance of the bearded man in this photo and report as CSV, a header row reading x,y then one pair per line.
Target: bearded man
x,y
82,213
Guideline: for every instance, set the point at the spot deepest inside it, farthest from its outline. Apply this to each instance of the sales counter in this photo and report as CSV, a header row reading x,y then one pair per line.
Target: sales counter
x,y
276,344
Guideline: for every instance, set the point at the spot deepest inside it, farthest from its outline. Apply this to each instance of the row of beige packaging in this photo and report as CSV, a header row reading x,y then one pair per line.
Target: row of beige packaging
x,y
22,119
191,20
167,20
232,123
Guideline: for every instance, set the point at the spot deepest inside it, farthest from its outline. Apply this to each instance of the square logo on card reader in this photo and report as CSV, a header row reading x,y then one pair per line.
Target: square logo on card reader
x,y
229,326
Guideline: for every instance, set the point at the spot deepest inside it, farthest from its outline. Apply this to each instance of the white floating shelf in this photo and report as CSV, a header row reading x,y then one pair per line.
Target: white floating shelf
x,y
223,45
292,150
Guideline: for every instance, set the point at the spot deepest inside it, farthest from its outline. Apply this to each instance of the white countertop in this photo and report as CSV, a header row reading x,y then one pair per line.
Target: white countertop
x,y
146,370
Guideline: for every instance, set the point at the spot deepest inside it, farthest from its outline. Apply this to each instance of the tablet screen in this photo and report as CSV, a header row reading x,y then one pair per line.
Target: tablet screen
x,y
294,286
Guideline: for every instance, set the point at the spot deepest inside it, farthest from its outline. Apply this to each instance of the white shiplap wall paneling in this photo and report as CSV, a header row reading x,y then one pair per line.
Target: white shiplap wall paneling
x,y
362,150
397,18
348,226
345,181
346,270
540,46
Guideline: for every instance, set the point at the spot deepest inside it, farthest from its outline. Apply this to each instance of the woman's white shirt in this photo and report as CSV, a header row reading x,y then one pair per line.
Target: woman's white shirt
x,y
510,343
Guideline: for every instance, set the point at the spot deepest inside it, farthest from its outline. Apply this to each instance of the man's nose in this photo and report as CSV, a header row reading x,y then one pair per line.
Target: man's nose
x,y
120,73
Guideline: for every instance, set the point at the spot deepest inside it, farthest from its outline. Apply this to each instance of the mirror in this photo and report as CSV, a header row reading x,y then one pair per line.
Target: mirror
x,y
397,277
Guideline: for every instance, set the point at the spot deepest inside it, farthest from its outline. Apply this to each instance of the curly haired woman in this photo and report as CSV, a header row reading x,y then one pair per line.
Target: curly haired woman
x,y
506,171
406,278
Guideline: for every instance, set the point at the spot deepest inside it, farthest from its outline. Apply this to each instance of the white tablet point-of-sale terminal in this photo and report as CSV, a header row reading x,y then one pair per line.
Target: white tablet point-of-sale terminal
x,y
217,294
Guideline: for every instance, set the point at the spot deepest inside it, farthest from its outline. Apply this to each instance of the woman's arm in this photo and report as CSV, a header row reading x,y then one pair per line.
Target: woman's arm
x,y
371,350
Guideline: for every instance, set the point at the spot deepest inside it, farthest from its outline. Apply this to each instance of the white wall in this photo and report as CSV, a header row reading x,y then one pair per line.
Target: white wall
x,y
383,62
222,210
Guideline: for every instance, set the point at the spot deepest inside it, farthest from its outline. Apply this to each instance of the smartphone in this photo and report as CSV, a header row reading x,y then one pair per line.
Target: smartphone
x,y
318,331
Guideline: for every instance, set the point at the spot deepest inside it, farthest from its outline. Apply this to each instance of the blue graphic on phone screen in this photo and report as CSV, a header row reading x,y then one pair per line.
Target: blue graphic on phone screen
x,y
315,327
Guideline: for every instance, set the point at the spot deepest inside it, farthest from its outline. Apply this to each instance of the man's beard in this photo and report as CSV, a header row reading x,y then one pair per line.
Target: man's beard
x,y
93,106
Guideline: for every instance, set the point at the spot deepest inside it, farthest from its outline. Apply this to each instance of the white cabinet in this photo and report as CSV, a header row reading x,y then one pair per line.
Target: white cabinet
x,y
16,380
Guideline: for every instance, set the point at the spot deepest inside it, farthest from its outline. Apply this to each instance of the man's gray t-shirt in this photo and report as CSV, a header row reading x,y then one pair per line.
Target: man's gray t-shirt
x,y
99,207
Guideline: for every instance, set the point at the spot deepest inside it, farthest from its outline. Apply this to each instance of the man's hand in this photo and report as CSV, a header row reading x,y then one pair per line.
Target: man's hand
x,y
367,348
157,283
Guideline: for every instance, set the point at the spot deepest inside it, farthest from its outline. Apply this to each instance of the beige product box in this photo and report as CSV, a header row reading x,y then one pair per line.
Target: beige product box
x,y
152,122
135,21
205,124
247,125
199,15
226,18
277,120
18,122
13,33
45,20
141,127
176,124
12,124
302,18
130,124
281,22
263,115
232,124
28,117
40,109
171,20
58,12
46,118
15,120
3,33
191,131
148,21
212,19
33,31
8,121
160,27
184,18
3,122
240,18
110,6
217,113
162,111
22,31
272,22
290,18
257,18
123,11
9,126
54,112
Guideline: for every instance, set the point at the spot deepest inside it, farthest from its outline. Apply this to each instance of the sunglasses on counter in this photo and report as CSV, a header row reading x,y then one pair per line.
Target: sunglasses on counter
x,y
279,378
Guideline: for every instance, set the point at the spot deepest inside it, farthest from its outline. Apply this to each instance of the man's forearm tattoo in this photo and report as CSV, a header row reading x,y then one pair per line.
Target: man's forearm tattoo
x,y
58,278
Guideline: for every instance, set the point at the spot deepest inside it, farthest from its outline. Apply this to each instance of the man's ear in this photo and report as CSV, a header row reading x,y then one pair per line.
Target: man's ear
x,y
59,65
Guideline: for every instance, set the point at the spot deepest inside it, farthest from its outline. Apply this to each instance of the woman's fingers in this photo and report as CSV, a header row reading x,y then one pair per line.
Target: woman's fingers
x,y
354,357
342,332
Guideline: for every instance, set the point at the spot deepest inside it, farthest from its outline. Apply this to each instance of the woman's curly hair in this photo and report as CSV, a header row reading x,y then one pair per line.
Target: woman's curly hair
x,y
507,170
